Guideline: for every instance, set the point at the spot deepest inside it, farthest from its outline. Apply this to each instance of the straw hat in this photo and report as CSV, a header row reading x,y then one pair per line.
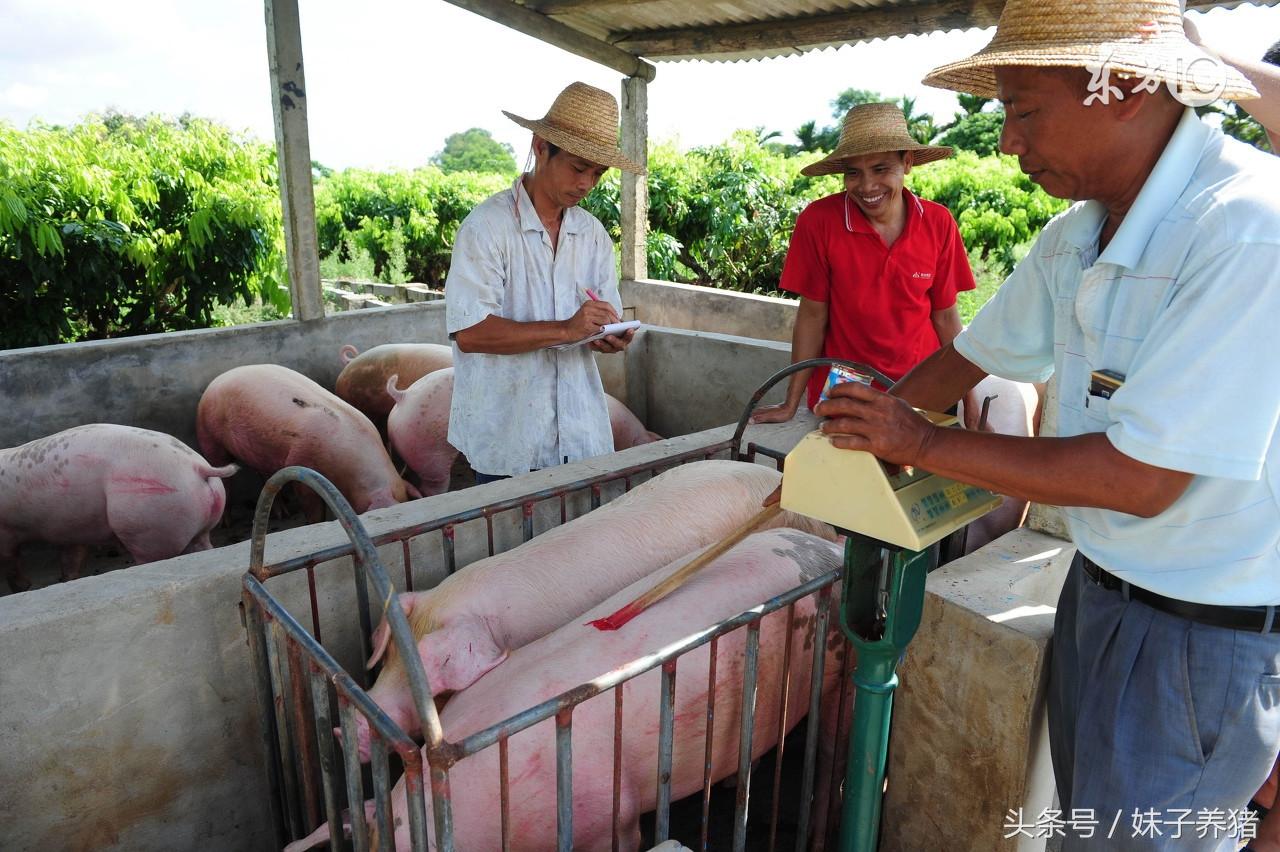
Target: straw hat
x,y
1143,38
870,129
583,120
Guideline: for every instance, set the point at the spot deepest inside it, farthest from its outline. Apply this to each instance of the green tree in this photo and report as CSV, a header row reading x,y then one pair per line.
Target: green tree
x,y
126,225
978,132
920,125
476,150
850,98
972,104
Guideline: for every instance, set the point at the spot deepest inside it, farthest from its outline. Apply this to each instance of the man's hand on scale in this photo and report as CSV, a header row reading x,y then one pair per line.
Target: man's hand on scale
x,y
862,418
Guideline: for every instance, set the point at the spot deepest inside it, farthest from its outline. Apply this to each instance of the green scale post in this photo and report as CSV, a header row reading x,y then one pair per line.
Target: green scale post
x,y
891,516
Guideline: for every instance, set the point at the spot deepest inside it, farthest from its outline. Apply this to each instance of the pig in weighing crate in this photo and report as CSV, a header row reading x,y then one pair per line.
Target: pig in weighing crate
x,y
299,682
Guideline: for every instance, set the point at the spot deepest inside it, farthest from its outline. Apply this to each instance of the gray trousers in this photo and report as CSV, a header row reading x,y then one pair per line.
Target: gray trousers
x,y
1158,726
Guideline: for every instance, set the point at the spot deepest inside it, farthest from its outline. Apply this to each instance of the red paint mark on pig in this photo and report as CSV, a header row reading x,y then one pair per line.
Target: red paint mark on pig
x,y
141,485
616,620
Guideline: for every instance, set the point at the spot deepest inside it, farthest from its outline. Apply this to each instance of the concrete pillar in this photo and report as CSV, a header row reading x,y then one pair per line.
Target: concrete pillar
x,y
293,154
634,199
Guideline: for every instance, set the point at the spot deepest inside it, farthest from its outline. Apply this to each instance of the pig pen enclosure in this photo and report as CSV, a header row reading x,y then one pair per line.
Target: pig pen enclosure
x,y
129,715
146,671
298,680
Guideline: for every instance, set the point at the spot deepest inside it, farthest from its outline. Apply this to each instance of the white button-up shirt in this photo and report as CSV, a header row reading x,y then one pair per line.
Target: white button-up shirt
x,y
1184,304
516,413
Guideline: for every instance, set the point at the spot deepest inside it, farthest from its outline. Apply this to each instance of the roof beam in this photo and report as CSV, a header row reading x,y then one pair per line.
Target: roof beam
x,y
556,7
862,24
541,27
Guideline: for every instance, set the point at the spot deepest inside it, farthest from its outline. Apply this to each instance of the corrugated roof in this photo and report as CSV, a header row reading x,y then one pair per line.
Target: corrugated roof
x,y
730,30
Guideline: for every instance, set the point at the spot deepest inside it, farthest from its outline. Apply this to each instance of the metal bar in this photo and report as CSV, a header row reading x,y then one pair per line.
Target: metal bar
x,y
450,555
833,786
415,795
280,686
256,629
315,604
381,792
708,754
595,496
441,808
298,694
504,791
407,558
666,735
351,759
784,704
323,715
572,697
527,511
617,763
564,779
745,736
814,718
337,551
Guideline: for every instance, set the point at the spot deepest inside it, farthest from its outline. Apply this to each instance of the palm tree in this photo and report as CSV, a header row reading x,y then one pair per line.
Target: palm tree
x,y
919,125
972,104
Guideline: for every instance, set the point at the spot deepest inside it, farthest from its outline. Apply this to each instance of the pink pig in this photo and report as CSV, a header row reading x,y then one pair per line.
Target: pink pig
x,y
628,431
418,427
466,625
365,374
761,567
270,417
86,485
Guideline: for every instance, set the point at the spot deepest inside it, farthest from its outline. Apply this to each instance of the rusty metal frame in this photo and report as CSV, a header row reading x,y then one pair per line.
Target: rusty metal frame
x,y
298,682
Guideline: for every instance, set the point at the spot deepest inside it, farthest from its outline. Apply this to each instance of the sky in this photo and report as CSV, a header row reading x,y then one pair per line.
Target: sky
x,y
388,80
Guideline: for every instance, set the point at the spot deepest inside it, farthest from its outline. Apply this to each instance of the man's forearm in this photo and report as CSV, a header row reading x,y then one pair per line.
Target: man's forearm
x,y
498,336
1085,470
939,381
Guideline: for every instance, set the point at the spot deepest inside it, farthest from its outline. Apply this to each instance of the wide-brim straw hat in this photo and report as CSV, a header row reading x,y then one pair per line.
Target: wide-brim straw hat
x,y
1141,38
872,129
583,120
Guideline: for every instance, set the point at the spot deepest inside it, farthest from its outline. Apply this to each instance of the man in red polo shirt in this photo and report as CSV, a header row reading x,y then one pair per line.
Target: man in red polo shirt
x,y
876,268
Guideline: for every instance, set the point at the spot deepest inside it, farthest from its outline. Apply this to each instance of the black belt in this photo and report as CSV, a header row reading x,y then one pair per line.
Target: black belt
x,y
1255,619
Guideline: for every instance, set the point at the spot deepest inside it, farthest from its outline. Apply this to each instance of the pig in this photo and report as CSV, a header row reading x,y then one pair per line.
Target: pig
x,y
418,427
364,375
270,417
762,566
470,622
93,483
627,429
1014,411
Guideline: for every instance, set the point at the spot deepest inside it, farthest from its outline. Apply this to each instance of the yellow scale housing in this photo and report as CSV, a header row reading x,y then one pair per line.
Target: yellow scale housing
x,y
853,490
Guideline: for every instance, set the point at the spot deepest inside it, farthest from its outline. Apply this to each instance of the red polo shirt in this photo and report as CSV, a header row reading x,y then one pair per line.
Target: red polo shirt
x,y
879,298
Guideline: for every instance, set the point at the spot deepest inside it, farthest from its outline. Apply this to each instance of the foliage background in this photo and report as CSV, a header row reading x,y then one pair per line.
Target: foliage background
x,y
122,225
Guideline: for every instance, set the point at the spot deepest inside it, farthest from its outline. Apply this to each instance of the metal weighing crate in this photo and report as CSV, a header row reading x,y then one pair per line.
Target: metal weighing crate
x,y
298,683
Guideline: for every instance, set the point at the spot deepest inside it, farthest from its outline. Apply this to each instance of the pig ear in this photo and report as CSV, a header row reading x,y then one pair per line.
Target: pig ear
x,y
458,655
382,634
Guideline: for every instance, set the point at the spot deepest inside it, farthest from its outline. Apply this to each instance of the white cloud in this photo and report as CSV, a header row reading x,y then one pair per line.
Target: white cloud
x,y
20,96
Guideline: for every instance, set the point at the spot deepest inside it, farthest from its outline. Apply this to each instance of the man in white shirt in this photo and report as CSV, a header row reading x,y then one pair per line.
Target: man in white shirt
x,y
530,271
1153,301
